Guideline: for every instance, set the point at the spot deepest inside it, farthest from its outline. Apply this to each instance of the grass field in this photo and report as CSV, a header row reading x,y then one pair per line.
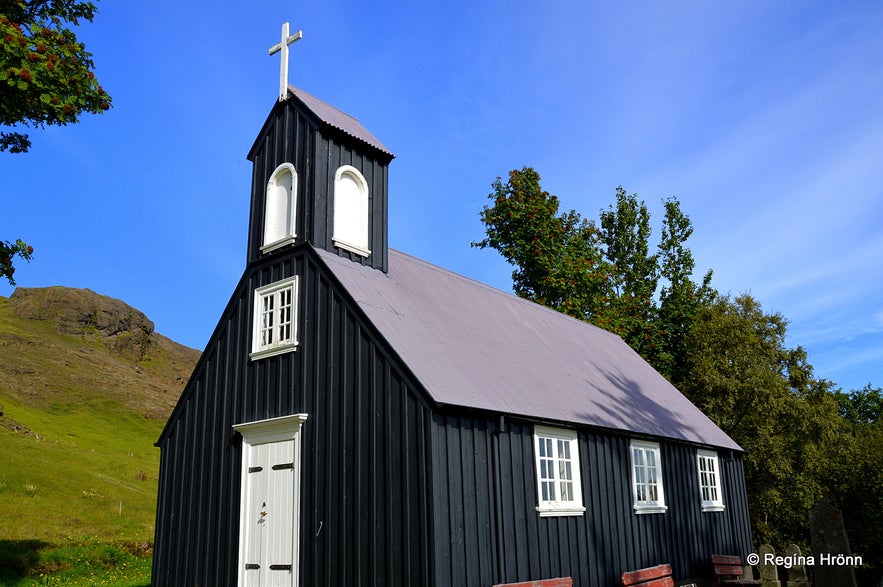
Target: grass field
x,y
78,469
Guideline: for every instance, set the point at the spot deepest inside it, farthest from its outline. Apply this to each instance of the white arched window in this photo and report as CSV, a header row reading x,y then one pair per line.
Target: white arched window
x,y
351,211
279,207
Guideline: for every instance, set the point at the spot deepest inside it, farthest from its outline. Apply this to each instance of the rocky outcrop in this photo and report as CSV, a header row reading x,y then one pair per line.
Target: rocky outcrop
x,y
82,311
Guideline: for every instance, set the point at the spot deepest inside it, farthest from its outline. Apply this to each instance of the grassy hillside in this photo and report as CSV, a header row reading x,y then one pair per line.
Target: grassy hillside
x,y
85,388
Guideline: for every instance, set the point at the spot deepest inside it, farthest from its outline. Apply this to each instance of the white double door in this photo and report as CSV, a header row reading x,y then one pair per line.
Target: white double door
x,y
270,502
269,515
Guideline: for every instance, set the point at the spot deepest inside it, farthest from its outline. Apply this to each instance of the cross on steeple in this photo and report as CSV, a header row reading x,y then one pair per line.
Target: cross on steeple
x,y
283,68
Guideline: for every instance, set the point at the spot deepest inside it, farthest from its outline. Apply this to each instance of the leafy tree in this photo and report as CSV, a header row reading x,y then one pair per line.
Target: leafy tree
x,y
680,298
46,75
764,395
861,406
557,257
630,310
604,274
8,251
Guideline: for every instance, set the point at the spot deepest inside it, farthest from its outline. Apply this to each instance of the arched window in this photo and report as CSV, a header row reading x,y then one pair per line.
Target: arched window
x,y
351,211
279,207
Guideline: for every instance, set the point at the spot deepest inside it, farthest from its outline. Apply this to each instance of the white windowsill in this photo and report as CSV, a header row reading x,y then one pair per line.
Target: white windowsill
x,y
650,509
549,511
288,240
351,248
273,351
716,507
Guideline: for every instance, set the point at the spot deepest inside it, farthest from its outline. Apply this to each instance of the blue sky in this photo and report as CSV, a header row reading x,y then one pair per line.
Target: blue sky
x,y
764,119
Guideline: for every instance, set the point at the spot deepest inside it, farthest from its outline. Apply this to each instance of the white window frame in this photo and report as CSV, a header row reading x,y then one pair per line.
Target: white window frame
x,y
646,470
280,344
552,447
288,233
356,242
274,430
709,475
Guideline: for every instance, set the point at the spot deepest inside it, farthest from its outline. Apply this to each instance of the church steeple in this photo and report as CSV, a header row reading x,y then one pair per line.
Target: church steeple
x,y
319,176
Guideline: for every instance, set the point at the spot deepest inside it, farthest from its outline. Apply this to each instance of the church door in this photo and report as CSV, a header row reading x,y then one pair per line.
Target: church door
x,y
269,508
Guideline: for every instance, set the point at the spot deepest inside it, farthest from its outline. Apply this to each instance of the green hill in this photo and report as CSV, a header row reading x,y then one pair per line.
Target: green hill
x,y
85,388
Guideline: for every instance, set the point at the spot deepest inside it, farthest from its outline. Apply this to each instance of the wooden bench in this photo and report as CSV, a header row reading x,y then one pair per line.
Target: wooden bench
x,y
658,576
559,582
728,570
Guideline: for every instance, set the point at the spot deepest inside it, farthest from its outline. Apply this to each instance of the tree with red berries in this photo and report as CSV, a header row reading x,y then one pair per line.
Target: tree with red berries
x,y
46,75
10,250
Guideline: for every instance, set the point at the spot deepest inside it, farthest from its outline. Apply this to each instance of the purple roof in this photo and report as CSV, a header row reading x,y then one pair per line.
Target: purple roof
x,y
337,119
475,346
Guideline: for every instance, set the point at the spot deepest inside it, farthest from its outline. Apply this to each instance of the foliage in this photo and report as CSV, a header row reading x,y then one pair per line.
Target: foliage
x,y
46,74
557,257
84,562
8,251
603,273
742,375
862,406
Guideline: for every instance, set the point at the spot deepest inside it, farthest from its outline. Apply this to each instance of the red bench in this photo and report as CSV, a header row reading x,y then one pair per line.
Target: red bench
x,y
658,576
559,582
728,571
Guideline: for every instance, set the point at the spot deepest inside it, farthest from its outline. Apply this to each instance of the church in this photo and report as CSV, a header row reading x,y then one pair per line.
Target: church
x,y
362,417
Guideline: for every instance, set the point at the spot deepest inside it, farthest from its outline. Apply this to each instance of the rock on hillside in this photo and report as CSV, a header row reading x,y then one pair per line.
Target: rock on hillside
x,y
61,345
82,311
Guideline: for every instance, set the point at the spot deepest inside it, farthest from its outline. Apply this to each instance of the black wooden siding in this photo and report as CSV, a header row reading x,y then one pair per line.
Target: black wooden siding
x,y
365,474
293,135
488,531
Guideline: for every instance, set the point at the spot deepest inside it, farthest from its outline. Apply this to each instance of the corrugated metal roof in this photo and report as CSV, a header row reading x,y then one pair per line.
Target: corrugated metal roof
x,y
338,119
475,346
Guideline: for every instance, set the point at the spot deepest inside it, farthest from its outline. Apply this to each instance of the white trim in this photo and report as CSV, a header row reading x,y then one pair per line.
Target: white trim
x,y
272,430
283,429
557,507
716,504
276,346
288,232
358,241
647,506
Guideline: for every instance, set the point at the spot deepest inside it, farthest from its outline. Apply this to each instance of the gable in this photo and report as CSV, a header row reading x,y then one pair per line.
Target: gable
x,y
474,346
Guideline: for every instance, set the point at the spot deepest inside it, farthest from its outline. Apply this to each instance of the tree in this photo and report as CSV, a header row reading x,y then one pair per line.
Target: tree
x,y
603,274
630,310
8,251
557,258
763,394
46,75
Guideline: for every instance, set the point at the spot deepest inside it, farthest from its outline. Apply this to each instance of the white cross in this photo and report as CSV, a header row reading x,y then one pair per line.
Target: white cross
x,y
283,68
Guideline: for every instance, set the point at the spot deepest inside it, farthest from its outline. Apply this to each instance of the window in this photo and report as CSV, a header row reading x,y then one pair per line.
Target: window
x,y
279,208
275,319
647,478
558,475
709,481
351,211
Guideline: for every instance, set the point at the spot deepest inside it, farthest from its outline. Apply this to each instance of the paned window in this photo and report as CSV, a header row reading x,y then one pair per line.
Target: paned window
x,y
351,211
558,473
647,478
709,481
279,208
275,318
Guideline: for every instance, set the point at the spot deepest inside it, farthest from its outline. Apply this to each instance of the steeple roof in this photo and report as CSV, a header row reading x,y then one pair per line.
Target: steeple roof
x,y
337,119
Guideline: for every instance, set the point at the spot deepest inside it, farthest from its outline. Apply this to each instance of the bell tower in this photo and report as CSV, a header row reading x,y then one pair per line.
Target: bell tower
x,y
318,176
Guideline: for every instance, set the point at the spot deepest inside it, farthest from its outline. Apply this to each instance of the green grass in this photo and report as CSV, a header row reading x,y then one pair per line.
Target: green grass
x,y
87,563
78,480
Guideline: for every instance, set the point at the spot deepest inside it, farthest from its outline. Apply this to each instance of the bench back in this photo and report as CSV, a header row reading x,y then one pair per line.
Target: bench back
x,y
658,576
559,582
726,565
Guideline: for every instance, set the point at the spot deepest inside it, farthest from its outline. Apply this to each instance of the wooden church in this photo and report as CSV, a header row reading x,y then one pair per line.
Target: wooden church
x,y
362,417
